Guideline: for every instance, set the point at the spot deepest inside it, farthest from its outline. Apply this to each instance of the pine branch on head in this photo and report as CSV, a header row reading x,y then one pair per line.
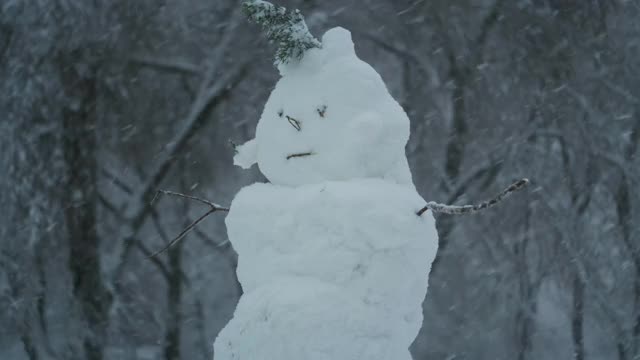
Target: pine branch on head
x,y
285,28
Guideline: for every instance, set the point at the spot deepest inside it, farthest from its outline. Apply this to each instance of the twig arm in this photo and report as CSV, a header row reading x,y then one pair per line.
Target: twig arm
x,y
183,233
212,205
471,209
212,208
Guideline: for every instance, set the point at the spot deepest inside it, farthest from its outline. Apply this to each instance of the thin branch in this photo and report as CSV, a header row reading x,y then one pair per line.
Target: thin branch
x,y
116,180
470,209
491,168
183,233
157,262
155,216
213,208
171,65
489,22
134,241
7,37
620,91
110,207
424,65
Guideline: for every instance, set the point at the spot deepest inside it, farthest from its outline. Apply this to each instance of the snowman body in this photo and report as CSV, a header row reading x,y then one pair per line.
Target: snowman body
x,y
332,258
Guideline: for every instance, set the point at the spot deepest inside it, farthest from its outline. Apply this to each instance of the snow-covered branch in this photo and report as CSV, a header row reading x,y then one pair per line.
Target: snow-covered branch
x,y
285,28
470,209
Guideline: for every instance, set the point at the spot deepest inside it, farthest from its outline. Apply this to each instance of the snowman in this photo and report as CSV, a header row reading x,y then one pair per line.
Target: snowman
x,y
332,258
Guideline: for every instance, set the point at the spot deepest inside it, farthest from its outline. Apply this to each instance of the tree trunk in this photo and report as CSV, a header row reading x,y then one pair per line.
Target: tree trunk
x,y
625,218
174,296
454,154
577,318
526,333
636,321
622,349
623,206
458,134
79,148
174,290
29,347
528,308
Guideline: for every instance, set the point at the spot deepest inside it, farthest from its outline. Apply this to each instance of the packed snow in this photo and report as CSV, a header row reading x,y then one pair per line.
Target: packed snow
x,y
347,122
332,258
334,270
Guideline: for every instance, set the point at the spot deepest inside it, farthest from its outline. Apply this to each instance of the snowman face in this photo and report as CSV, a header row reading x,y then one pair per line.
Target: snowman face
x,y
330,117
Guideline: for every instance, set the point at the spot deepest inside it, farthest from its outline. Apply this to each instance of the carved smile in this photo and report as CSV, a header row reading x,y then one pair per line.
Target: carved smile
x,y
296,155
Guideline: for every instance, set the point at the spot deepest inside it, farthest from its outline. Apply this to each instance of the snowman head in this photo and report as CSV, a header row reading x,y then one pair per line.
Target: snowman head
x,y
330,117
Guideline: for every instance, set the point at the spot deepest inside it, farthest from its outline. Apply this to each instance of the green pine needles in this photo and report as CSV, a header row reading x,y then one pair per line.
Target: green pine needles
x,y
285,28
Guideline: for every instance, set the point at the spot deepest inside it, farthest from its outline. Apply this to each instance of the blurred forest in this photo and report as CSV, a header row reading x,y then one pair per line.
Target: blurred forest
x,y
104,102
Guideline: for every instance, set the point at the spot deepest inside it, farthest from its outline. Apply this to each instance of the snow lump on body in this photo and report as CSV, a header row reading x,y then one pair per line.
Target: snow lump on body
x,y
332,258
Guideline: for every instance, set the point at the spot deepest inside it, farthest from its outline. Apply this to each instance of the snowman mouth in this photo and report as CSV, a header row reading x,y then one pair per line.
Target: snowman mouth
x,y
297,155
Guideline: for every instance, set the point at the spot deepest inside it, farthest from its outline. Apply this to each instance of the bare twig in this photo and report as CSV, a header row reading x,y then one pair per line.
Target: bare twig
x,y
485,172
155,216
470,209
489,22
116,180
212,208
111,207
423,64
172,65
156,261
183,233
135,241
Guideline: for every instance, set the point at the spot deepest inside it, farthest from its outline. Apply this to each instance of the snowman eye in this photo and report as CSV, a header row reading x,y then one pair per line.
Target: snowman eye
x,y
321,110
295,123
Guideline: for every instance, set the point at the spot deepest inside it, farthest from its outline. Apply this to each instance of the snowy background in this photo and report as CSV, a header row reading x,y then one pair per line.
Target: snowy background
x,y
103,102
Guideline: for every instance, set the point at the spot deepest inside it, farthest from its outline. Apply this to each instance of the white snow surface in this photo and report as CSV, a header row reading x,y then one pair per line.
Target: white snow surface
x,y
246,154
347,119
332,271
332,258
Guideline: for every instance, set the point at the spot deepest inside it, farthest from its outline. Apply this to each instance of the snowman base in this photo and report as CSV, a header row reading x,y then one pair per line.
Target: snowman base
x,y
331,271
299,318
